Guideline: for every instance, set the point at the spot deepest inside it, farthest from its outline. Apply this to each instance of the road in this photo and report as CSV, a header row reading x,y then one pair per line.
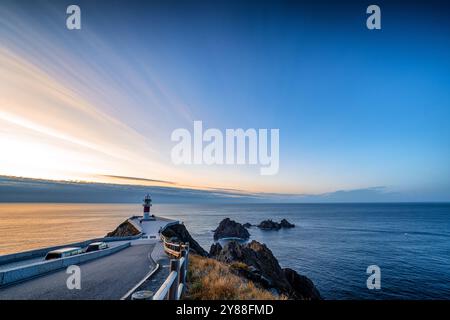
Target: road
x,y
152,227
108,278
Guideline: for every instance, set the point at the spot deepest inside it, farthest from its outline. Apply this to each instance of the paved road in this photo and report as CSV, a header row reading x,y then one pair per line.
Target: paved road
x,y
151,227
106,278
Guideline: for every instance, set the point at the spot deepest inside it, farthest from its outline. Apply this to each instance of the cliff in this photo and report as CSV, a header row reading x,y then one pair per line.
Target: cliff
x,y
258,264
125,229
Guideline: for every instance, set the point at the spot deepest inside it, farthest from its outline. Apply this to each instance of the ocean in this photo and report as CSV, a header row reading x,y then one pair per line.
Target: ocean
x,y
332,244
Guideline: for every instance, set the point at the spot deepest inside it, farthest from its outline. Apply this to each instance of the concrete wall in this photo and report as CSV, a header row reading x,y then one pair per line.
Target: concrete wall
x,y
20,256
14,257
111,239
29,271
166,219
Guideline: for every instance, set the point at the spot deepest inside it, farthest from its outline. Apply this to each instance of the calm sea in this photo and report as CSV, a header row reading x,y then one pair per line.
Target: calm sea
x,y
333,244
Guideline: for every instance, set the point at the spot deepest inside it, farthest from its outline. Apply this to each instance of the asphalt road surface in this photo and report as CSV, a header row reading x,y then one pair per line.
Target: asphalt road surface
x,y
107,278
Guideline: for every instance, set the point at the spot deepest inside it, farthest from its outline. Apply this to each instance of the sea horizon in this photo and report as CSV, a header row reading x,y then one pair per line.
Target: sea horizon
x,y
234,203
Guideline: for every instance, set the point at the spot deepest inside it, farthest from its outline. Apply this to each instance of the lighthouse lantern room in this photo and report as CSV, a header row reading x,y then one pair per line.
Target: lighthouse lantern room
x,y
147,204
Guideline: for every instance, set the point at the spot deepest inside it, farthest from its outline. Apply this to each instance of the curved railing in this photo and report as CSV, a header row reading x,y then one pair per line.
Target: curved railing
x,y
173,249
175,284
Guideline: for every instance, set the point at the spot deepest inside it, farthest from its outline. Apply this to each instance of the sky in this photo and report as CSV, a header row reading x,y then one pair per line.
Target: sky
x,y
358,110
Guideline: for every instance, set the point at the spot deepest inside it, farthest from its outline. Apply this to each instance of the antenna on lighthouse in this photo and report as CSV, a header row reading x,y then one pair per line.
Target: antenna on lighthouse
x,y
147,204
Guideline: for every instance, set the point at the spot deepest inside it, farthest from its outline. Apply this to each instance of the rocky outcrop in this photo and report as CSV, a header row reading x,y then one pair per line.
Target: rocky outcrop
x,y
286,224
179,233
257,255
269,225
258,264
125,229
215,249
230,229
247,225
272,225
302,286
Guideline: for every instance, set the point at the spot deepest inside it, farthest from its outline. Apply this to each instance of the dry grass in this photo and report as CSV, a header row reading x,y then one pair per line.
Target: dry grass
x,y
209,279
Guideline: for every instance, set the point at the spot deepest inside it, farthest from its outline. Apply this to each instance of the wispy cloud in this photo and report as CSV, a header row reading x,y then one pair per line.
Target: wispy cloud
x,y
14,189
46,125
131,179
61,113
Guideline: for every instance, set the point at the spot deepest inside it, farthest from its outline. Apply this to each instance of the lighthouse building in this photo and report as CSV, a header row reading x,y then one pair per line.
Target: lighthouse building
x,y
147,204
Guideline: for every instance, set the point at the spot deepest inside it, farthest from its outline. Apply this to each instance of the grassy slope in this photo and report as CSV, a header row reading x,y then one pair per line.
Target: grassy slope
x,y
209,279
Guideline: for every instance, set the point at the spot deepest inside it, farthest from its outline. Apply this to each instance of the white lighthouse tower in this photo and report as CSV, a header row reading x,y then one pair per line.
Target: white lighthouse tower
x,y
147,204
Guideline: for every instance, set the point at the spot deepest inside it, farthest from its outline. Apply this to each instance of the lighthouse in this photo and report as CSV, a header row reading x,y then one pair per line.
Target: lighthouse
x,y
147,204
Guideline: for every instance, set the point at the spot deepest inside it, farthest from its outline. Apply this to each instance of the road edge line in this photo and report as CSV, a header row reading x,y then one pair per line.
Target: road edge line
x,y
147,276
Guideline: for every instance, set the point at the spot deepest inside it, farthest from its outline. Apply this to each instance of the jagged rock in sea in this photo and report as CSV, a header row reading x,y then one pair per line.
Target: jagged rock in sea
x,y
125,229
179,233
230,229
258,264
247,225
269,225
286,224
272,225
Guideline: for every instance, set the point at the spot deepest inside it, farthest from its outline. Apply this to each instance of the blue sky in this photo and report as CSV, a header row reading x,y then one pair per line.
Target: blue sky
x,y
356,109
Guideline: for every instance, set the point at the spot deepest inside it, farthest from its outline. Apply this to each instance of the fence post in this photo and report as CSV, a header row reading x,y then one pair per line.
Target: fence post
x,y
183,269
187,257
179,251
173,291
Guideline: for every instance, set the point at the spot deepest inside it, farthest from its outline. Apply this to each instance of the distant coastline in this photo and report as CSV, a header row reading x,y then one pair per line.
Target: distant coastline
x,y
28,190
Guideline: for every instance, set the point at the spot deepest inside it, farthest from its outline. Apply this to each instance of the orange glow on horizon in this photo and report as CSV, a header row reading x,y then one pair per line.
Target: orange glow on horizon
x,y
51,132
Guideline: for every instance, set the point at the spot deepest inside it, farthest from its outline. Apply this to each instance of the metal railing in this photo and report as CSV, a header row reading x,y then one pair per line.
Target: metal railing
x,y
175,285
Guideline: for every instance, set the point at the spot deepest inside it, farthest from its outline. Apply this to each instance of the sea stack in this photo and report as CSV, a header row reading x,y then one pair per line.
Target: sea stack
x,y
272,225
230,229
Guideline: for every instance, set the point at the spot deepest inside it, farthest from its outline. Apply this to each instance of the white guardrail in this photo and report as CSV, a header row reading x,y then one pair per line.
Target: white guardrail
x,y
175,285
